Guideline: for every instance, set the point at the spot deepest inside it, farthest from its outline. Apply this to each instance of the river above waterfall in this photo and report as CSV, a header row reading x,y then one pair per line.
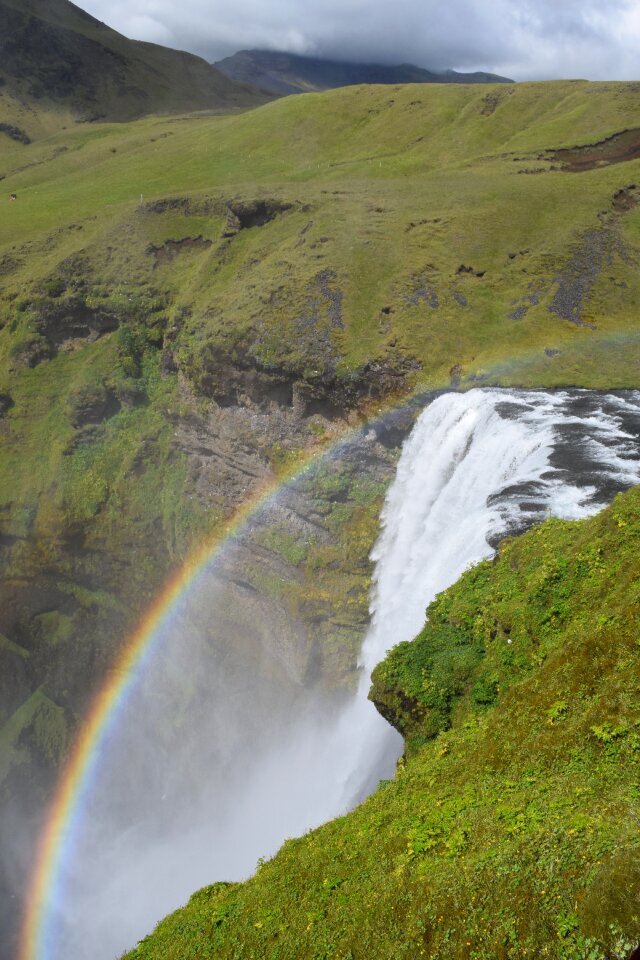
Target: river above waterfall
x,y
476,467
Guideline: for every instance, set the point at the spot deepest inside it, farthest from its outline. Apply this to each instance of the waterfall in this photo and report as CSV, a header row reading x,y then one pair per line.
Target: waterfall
x,y
476,467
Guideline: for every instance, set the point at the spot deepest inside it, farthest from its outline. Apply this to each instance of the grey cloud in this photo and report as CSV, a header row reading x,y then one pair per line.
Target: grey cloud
x,y
526,39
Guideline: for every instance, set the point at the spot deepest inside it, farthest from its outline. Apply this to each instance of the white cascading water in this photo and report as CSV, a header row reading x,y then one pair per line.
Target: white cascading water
x,y
476,466
471,464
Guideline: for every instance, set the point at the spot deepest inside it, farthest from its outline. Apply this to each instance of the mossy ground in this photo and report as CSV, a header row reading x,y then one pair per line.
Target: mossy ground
x,y
510,828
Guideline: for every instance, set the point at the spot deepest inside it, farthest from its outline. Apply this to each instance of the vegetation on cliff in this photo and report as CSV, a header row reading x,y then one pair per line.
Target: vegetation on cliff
x,y
510,829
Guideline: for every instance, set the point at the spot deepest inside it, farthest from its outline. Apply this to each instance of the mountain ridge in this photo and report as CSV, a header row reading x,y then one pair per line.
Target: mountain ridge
x,y
54,54
283,73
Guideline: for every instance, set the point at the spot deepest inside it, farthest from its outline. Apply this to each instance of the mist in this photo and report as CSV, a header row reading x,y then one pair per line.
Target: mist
x,y
224,750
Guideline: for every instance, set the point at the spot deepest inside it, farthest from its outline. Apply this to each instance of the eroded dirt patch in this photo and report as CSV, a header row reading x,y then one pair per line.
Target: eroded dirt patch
x,y
626,198
70,319
492,101
245,214
463,268
167,252
619,148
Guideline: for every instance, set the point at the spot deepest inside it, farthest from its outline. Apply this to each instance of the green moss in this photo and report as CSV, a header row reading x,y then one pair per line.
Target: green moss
x,y
282,542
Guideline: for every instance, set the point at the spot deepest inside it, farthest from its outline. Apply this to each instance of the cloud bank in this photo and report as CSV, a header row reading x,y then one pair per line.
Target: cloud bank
x,y
524,39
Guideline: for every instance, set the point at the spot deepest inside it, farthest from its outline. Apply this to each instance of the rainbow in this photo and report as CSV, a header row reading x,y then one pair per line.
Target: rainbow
x,y
75,783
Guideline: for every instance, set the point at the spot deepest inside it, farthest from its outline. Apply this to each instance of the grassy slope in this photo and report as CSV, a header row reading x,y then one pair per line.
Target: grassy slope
x,y
511,828
55,56
370,162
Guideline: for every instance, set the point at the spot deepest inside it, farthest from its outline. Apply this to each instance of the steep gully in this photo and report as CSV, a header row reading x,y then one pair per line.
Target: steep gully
x,y
188,795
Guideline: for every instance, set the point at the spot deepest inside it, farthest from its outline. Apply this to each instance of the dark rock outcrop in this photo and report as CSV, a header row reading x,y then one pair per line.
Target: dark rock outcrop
x,y
59,320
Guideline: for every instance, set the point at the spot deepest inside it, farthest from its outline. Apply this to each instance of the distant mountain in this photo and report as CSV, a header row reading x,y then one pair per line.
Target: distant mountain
x,y
53,52
285,73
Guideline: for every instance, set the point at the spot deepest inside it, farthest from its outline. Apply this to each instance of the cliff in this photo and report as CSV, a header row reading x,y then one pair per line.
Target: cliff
x,y
509,829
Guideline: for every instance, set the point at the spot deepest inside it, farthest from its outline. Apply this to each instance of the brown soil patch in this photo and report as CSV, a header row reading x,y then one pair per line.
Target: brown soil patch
x,y
619,148
626,199
170,249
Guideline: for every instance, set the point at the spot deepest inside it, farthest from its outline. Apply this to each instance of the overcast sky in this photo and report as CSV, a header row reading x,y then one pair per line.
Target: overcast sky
x,y
523,39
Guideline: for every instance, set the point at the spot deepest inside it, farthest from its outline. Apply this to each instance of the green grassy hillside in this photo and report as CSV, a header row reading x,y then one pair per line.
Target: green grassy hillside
x,y
447,248
510,829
